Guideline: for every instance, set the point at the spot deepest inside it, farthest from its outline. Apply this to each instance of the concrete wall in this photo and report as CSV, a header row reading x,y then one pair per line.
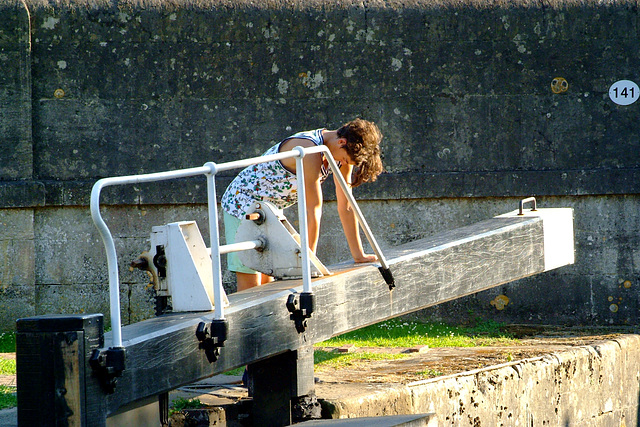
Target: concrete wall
x,y
594,385
461,90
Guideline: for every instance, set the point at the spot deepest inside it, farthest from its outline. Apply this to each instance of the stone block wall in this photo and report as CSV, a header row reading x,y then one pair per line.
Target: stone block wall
x,y
462,90
590,385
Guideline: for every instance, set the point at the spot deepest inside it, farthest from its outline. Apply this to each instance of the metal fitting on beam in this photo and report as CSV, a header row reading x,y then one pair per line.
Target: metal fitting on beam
x,y
301,306
527,200
212,336
108,365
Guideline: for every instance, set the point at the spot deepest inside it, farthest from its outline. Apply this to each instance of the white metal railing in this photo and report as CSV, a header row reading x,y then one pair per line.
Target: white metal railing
x,y
210,169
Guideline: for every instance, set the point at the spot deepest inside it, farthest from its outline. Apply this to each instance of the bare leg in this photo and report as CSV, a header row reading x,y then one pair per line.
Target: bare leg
x,y
248,281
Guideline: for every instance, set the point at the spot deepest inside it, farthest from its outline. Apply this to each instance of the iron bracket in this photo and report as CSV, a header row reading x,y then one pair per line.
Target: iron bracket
x,y
301,306
212,336
108,365
527,200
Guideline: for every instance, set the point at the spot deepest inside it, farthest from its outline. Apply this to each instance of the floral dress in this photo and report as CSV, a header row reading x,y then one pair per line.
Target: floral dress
x,y
270,182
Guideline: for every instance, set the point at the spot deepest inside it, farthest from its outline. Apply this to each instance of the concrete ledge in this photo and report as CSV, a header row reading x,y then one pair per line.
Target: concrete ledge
x,y
588,386
373,400
418,420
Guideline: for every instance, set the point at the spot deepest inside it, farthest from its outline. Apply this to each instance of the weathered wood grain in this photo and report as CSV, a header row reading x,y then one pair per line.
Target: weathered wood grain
x,y
53,372
163,353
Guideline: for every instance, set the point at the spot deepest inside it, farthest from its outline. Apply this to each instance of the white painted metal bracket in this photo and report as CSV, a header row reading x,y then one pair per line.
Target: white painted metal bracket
x,y
281,256
188,278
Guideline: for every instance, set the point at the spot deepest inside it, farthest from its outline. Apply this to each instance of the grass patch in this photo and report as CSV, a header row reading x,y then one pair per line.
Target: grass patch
x,y
331,360
179,404
7,366
430,373
237,371
402,333
8,342
8,398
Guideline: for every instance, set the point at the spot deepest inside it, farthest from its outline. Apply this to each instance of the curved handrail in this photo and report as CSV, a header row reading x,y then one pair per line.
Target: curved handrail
x,y
107,238
210,169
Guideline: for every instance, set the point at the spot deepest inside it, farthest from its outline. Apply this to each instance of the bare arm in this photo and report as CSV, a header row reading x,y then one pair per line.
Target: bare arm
x,y
312,174
349,220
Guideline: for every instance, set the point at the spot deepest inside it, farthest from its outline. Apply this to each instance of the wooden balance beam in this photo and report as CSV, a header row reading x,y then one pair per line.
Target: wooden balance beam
x,y
56,381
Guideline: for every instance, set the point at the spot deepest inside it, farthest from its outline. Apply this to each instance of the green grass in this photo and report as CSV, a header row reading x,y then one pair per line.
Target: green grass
x,y
7,397
180,403
237,371
7,345
330,360
7,394
7,342
430,373
7,366
402,333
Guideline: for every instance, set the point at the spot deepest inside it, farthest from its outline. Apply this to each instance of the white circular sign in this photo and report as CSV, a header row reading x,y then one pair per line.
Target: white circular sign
x,y
624,92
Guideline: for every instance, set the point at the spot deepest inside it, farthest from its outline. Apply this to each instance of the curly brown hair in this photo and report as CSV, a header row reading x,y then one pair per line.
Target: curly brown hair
x,y
363,146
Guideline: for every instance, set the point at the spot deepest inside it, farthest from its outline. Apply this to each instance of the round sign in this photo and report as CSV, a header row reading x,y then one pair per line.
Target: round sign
x,y
624,92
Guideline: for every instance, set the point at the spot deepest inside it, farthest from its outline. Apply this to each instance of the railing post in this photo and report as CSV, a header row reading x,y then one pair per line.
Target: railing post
x,y
112,262
302,216
214,237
